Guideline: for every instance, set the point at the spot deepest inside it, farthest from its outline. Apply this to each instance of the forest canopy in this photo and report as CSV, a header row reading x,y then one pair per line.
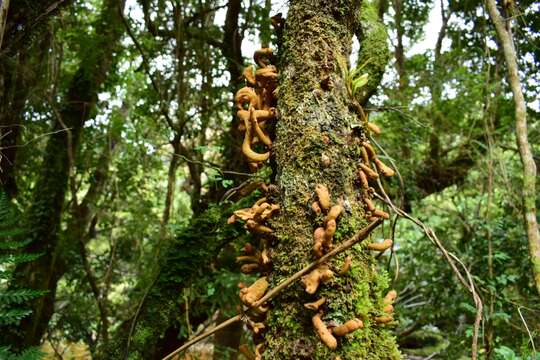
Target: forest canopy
x,y
334,179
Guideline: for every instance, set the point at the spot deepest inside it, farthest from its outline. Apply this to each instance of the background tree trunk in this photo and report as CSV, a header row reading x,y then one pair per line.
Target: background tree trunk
x,y
149,336
50,189
529,166
315,122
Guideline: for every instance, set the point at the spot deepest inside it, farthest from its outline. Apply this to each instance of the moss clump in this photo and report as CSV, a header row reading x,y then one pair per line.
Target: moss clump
x,y
373,54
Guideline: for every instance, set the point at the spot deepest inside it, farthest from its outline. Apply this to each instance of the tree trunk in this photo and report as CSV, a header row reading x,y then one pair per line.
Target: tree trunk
x,y
529,167
19,74
171,184
23,21
50,189
14,89
232,52
373,55
399,52
4,7
315,124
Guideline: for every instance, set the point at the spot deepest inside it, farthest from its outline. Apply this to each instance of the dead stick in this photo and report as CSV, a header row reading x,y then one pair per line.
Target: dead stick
x,y
205,335
359,236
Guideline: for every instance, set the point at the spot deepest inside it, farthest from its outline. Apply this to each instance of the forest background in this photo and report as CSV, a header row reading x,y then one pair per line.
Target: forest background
x,y
120,165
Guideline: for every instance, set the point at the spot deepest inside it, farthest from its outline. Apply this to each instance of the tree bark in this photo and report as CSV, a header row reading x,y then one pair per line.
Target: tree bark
x,y
50,189
171,185
4,7
14,89
24,20
232,51
315,123
19,74
529,167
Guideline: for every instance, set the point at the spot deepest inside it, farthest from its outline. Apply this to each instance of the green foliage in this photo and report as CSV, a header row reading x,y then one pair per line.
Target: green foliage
x,y
434,123
358,82
506,353
507,287
28,354
13,300
12,316
354,78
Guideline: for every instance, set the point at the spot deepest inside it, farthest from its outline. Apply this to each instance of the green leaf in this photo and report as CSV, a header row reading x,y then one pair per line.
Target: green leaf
x,y
13,316
359,82
18,296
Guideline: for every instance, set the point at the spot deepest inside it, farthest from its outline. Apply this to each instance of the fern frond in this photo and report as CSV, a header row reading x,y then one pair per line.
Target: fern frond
x,y
32,353
8,215
18,258
7,233
13,298
13,316
18,296
6,274
12,245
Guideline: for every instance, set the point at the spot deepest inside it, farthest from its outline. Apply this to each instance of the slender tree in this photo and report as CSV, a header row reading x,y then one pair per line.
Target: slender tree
x,y
504,31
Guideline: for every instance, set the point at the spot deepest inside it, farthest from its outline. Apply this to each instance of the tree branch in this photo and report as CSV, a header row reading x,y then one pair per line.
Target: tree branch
x,y
146,66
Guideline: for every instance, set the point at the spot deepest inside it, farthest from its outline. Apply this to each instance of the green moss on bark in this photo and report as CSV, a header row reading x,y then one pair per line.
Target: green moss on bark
x,y
316,123
373,54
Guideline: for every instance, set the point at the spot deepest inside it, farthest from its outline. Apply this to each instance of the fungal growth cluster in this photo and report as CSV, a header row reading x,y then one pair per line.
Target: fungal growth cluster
x,y
366,173
330,332
256,110
322,244
256,106
323,236
388,308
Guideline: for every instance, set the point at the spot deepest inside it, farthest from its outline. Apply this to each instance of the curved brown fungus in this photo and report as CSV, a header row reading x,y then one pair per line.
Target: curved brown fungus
x,y
324,334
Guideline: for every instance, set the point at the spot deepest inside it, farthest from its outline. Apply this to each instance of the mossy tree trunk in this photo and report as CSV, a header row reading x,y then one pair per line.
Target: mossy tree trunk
x,y
316,124
14,89
20,73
